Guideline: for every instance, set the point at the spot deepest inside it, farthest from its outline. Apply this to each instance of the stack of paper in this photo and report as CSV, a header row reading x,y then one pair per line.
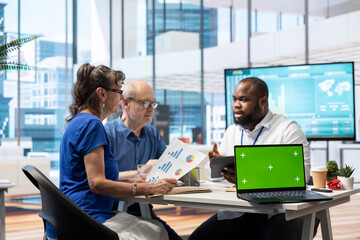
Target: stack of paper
x,y
5,181
183,190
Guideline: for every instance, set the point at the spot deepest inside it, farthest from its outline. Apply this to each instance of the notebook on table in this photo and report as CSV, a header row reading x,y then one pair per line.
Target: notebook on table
x,y
272,174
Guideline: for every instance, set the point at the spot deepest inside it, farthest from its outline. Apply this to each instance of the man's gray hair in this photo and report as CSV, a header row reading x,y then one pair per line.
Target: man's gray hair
x,y
129,90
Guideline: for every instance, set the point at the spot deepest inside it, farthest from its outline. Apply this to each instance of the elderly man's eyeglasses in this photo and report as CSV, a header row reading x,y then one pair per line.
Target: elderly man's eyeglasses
x,y
146,103
114,90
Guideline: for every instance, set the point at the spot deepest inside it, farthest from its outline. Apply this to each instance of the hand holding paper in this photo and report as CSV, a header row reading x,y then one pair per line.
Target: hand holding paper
x,y
177,160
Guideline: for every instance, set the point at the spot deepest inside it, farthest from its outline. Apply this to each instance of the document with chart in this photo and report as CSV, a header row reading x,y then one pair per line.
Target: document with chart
x,y
177,160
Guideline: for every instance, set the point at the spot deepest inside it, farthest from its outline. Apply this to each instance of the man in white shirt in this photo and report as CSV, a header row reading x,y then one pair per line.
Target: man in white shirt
x,y
254,124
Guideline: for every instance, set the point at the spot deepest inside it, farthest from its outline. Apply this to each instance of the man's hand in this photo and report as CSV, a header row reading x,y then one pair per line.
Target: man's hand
x,y
147,167
151,163
214,153
229,174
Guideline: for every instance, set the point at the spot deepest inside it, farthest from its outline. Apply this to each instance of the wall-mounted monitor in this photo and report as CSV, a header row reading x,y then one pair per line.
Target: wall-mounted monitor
x,y
319,97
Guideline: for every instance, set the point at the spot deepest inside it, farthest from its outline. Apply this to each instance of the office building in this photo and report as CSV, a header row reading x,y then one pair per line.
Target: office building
x,y
180,17
186,68
43,113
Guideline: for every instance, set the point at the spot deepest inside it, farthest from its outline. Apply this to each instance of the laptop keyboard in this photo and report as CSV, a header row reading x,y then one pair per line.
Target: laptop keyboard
x,y
278,194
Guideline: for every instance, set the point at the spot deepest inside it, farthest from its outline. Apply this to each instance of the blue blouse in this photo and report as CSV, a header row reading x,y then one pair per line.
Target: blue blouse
x,y
84,133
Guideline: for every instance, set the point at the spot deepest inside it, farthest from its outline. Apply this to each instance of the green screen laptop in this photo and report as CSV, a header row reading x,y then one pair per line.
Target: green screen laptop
x,y
272,174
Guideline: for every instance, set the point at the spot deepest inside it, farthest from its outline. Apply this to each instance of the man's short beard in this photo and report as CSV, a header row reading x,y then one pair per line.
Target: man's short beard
x,y
244,122
250,118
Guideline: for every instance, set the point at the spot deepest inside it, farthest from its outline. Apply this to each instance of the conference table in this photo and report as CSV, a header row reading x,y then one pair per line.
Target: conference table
x,y
4,185
220,199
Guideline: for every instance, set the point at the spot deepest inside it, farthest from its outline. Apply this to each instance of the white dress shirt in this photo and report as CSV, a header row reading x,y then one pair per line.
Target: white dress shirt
x,y
277,130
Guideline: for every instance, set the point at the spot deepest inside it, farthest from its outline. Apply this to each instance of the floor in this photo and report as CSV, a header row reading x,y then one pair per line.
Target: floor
x,y
23,223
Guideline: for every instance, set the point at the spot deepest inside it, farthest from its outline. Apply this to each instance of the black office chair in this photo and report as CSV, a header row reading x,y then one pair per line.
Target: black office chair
x,y
69,220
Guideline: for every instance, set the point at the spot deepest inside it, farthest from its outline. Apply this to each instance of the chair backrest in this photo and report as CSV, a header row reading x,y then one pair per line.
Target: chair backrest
x,y
69,220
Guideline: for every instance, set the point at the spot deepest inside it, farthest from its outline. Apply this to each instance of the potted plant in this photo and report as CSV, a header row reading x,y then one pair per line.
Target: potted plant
x,y
333,169
8,62
344,175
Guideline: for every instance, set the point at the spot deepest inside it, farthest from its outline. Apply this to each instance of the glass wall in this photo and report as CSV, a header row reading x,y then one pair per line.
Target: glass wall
x,y
93,31
135,15
182,17
333,24
83,21
167,53
178,38
8,85
223,25
240,21
44,93
273,28
129,41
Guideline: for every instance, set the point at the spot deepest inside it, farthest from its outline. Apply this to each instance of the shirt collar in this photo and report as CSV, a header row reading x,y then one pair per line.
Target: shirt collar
x,y
123,128
265,121
126,130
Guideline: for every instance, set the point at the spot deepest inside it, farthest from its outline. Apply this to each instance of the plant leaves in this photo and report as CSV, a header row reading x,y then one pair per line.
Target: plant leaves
x,y
11,65
16,44
5,49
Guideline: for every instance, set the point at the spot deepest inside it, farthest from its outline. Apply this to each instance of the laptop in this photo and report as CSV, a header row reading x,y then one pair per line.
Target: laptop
x,y
272,174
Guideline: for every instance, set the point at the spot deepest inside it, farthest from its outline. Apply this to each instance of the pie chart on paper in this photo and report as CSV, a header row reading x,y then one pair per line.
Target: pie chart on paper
x,y
189,158
178,172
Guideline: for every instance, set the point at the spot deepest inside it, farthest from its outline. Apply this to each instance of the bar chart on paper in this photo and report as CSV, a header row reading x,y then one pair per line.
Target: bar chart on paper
x,y
165,167
176,153
153,179
177,160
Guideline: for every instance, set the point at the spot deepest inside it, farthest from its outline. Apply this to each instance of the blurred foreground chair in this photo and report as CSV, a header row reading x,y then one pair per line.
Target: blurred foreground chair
x,y
69,220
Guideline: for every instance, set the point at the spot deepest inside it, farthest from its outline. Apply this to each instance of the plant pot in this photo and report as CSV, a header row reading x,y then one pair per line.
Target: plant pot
x,y
346,183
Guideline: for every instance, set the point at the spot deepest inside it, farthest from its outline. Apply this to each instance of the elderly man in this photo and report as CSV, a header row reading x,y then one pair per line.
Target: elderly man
x,y
133,140
254,124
